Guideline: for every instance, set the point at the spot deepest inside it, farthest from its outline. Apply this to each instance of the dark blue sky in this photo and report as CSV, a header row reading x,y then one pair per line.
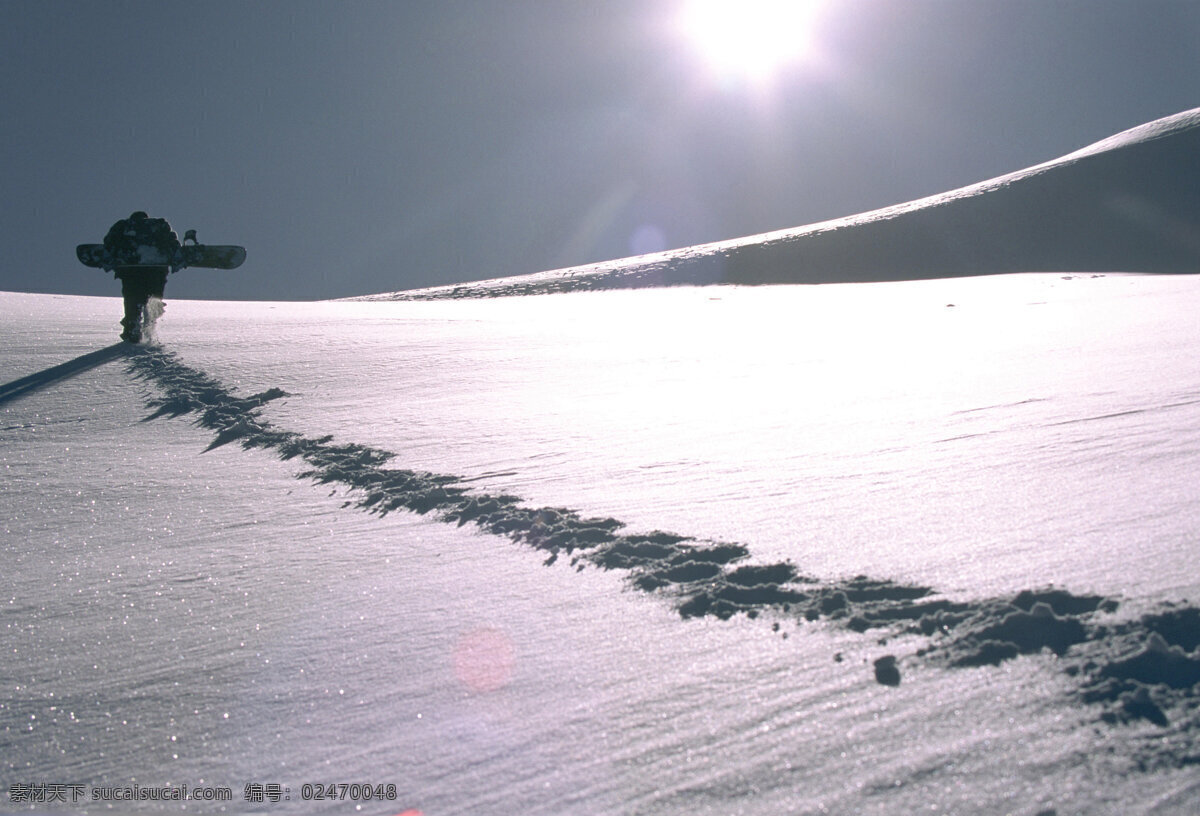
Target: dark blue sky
x,y
359,147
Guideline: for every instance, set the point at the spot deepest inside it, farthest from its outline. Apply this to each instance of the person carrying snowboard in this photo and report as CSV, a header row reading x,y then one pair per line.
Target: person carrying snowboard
x,y
143,250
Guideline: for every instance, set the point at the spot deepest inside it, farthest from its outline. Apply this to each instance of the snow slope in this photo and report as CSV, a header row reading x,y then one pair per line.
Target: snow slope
x,y
1128,203
620,552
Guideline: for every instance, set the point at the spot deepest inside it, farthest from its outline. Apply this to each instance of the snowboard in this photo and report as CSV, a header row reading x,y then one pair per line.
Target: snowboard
x,y
210,256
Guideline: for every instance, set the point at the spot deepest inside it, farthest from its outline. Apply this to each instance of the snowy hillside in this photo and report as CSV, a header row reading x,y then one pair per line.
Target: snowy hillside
x,y
862,548
1129,203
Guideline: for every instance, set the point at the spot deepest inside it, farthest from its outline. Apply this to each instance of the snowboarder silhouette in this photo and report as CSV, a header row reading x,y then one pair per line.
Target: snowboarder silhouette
x,y
142,249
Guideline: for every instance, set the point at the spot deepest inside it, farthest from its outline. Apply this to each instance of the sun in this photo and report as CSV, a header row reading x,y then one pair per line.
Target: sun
x,y
753,40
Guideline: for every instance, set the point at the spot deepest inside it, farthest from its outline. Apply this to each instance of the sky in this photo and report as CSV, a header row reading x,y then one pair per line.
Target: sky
x,y
364,147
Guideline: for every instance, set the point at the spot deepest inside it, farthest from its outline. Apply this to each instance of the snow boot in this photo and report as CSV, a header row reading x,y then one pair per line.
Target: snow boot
x,y
132,332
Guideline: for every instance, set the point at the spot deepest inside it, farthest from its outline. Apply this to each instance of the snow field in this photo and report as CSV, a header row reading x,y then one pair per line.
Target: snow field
x,y
207,581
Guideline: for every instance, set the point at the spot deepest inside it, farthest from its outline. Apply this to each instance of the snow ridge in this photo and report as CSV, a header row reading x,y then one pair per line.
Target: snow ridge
x,y
1127,203
1143,669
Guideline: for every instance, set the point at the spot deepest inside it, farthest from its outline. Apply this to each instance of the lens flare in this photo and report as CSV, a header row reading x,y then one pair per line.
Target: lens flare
x,y
483,660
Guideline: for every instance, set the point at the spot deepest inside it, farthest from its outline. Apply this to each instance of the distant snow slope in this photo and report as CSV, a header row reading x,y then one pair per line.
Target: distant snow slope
x,y
1128,203
850,549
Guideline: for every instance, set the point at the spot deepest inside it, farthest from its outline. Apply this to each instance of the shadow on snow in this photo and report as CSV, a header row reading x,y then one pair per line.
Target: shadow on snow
x,y
50,376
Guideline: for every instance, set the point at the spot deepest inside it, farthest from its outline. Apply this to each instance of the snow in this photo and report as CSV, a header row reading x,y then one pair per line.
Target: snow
x,y
194,594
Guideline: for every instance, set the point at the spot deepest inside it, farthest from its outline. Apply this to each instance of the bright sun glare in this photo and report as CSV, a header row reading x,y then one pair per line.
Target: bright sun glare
x,y
750,39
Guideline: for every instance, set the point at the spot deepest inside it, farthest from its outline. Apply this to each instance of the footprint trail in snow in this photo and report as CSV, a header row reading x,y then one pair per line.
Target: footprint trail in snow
x,y
1143,669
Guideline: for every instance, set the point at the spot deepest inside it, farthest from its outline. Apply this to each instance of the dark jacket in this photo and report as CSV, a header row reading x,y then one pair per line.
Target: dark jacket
x,y
141,240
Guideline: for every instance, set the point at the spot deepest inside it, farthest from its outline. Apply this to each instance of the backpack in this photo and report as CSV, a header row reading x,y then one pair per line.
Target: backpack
x,y
140,240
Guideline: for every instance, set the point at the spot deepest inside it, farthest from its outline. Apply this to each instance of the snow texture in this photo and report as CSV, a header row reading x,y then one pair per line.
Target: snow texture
x,y
1154,657
494,626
